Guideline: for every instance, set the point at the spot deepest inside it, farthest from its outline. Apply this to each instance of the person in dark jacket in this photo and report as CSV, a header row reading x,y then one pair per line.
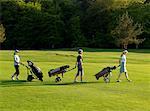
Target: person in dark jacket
x,y
79,65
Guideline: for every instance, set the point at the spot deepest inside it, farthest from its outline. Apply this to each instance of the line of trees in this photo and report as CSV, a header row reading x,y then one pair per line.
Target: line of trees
x,y
45,24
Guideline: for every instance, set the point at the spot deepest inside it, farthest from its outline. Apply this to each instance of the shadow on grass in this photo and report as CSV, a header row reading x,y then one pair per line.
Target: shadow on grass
x,y
116,50
100,50
71,83
140,51
8,83
11,83
87,50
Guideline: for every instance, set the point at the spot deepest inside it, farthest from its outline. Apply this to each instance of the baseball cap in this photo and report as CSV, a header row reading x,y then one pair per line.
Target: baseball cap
x,y
16,50
125,51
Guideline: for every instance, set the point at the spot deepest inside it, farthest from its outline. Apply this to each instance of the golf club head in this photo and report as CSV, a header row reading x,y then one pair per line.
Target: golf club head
x,y
113,68
30,63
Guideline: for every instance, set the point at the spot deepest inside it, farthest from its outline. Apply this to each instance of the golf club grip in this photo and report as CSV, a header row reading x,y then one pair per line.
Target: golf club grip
x,y
22,64
70,69
118,66
25,65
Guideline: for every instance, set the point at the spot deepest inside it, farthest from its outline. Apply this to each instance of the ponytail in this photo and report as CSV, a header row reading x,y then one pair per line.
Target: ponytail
x,y
122,54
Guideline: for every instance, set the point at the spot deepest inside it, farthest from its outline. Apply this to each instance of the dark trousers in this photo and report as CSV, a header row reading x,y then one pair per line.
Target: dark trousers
x,y
80,70
17,70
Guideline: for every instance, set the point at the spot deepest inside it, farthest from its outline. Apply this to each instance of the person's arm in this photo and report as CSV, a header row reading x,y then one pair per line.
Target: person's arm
x,y
76,64
120,60
81,60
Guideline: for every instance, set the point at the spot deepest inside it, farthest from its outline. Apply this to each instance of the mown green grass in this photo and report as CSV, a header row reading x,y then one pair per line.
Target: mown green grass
x,y
91,95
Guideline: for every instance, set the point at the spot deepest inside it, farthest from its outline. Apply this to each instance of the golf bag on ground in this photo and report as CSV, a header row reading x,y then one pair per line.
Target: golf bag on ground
x,y
60,70
105,73
33,72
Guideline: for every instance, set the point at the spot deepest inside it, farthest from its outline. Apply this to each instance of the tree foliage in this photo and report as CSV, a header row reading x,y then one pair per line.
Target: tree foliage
x,y
127,32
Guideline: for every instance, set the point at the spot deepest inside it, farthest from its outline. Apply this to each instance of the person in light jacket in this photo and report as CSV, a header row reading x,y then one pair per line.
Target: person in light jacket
x,y
123,68
16,65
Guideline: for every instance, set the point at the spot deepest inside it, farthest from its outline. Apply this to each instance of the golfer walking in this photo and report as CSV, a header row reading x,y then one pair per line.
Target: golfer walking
x,y
122,63
16,65
79,64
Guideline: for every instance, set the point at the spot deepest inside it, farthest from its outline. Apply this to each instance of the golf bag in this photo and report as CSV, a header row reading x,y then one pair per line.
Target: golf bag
x,y
33,72
105,73
60,70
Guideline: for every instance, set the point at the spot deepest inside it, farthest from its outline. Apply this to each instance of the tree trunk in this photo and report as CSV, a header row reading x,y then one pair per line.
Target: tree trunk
x,y
122,46
137,46
147,1
53,46
0,46
125,46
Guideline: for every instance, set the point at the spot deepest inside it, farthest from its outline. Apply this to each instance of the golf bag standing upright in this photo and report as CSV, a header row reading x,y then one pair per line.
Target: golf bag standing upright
x,y
33,72
36,71
105,73
59,70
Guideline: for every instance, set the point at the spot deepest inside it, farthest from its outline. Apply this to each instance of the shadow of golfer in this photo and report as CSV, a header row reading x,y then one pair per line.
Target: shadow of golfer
x,y
14,83
9,83
71,83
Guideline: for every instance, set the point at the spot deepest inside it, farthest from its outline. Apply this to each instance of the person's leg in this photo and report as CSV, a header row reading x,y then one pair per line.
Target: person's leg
x,y
82,74
126,73
121,71
12,77
118,79
127,77
76,76
17,72
75,79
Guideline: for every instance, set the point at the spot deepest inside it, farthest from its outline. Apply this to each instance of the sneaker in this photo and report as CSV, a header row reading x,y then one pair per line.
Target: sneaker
x,y
12,78
118,81
75,81
129,80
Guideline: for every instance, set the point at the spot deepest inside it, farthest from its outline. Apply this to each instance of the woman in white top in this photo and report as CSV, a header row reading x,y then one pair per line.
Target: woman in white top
x,y
16,65
123,68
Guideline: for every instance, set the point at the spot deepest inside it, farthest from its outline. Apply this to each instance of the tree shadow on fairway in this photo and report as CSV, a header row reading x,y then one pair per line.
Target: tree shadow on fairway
x,y
101,50
8,83
146,51
13,81
88,50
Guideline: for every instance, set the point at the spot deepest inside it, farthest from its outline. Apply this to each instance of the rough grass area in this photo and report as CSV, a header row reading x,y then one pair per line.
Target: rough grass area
x,y
91,95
